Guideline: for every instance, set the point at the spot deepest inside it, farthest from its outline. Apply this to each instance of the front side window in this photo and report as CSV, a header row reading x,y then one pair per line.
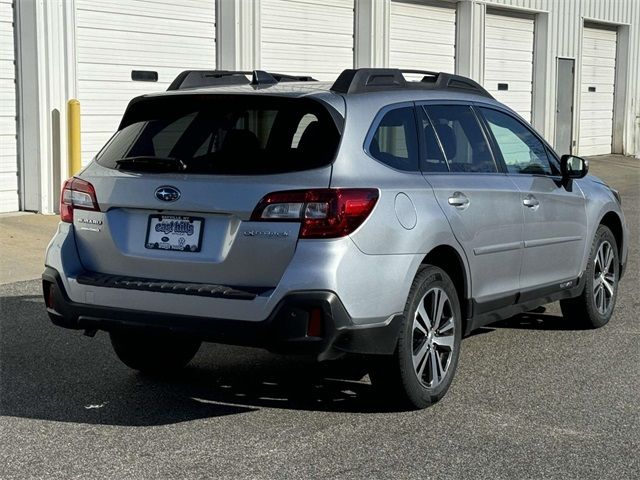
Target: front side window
x,y
395,141
461,137
521,150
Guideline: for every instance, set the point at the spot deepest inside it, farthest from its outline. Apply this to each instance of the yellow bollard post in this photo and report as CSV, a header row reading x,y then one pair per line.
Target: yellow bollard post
x,y
73,137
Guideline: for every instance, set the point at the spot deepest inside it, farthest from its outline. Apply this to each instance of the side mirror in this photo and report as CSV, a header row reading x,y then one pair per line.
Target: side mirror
x,y
573,167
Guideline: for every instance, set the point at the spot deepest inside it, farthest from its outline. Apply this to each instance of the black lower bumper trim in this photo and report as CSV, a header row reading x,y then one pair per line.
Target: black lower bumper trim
x,y
285,330
182,288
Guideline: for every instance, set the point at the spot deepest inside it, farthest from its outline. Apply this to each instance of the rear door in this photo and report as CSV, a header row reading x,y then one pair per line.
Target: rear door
x,y
481,204
554,214
178,183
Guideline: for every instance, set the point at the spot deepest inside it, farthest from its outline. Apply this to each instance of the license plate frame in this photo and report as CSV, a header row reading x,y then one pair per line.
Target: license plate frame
x,y
151,241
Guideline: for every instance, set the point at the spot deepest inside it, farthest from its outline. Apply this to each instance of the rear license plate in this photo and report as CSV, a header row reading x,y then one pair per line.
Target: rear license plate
x,y
173,232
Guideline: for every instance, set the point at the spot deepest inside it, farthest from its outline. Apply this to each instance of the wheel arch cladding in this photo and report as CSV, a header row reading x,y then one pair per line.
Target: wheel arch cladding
x,y
448,259
612,221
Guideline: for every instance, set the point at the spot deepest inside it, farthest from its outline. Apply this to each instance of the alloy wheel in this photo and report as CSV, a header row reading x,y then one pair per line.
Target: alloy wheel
x,y
433,337
604,278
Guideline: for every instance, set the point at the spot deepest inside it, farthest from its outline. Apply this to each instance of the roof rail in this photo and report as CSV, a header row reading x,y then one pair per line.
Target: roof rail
x,y
207,78
363,80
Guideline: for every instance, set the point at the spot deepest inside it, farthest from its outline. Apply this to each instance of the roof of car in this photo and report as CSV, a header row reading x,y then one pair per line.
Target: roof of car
x,y
349,82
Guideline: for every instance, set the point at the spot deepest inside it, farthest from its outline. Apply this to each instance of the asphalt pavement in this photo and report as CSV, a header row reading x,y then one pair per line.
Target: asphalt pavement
x,y
532,399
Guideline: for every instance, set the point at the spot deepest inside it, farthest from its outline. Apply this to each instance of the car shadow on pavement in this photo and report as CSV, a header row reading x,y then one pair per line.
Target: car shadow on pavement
x,y
50,373
538,320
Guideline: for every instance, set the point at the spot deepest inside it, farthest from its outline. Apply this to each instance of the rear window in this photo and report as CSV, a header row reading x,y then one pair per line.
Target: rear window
x,y
236,135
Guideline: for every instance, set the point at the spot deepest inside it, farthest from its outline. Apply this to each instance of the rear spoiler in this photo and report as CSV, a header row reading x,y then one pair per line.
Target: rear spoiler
x,y
208,78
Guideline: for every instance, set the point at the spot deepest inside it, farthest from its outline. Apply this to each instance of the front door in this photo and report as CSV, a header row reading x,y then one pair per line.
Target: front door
x,y
554,214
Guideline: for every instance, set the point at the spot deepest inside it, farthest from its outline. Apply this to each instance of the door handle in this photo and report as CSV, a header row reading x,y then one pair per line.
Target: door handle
x,y
459,200
530,201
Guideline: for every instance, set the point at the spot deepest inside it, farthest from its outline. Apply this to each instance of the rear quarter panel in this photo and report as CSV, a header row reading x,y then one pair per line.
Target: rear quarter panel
x,y
407,219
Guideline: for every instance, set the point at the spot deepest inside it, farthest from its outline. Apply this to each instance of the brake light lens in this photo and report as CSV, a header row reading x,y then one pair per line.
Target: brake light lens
x,y
324,213
77,194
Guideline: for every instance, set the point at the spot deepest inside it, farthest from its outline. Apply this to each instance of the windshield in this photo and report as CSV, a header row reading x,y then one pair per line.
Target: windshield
x,y
237,135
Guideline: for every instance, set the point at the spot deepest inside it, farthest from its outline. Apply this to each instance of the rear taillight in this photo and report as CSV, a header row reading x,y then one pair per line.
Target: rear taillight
x,y
77,194
324,213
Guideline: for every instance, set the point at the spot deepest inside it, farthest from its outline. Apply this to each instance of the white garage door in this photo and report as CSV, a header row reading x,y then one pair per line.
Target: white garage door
x,y
596,92
422,37
8,139
114,37
508,61
307,37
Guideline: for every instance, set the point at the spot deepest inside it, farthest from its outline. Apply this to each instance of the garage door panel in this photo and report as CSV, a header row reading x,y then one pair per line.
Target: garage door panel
x,y
141,42
607,64
306,37
504,42
140,58
9,181
8,108
592,77
601,102
596,107
422,37
406,39
497,67
114,37
94,20
441,31
304,17
509,59
7,128
595,115
282,53
8,164
285,38
296,61
594,134
438,48
8,140
6,43
593,144
194,11
7,70
9,200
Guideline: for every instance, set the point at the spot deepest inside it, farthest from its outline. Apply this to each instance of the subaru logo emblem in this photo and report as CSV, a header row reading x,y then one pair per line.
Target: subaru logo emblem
x,y
167,193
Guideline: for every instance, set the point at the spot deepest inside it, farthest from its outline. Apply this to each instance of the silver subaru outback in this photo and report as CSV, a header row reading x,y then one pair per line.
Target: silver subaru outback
x,y
378,216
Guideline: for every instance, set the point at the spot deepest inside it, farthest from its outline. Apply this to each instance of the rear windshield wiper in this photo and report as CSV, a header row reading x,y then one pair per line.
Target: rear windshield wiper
x,y
150,163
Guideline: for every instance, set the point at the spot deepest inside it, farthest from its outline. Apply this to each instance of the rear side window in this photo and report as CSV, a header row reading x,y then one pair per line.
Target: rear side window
x,y
223,134
461,137
395,141
521,150
432,158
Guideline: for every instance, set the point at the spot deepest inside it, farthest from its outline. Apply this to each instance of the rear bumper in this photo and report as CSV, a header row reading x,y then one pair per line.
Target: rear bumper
x,y
286,330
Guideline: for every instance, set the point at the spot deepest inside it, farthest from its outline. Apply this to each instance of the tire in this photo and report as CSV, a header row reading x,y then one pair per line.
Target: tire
x,y
407,377
594,306
154,353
